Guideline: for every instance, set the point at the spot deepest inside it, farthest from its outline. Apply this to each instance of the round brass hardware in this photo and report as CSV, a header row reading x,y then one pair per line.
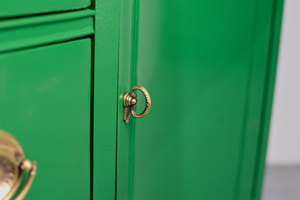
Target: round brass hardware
x,y
130,101
13,165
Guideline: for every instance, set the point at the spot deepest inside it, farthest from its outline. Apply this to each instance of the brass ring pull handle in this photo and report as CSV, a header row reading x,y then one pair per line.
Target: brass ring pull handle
x,y
148,101
130,100
13,165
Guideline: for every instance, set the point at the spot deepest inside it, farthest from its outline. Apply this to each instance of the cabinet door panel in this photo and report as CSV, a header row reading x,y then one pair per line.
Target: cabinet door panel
x,y
196,61
45,104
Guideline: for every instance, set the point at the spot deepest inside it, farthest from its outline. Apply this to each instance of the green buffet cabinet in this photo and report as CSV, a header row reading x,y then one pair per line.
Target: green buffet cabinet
x,y
209,67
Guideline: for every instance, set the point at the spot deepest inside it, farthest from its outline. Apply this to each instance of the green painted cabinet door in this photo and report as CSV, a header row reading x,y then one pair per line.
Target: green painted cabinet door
x,y
205,65
45,104
194,58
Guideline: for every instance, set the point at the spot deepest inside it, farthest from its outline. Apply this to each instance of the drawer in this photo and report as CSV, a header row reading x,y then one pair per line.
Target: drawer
x,y
45,104
12,8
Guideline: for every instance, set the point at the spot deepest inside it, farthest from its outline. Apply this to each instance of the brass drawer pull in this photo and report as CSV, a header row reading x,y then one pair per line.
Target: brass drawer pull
x,y
12,167
130,100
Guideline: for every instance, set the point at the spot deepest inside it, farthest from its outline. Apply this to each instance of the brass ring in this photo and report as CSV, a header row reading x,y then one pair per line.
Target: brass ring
x,y
12,167
148,101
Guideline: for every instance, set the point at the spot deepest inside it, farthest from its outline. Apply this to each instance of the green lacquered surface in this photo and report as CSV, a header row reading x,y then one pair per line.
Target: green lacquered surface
x,y
265,49
45,104
40,30
268,98
14,8
106,61
127,79
199,61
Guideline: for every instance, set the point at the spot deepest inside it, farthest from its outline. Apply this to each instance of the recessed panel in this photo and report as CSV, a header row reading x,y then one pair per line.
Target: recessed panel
x,y
45,104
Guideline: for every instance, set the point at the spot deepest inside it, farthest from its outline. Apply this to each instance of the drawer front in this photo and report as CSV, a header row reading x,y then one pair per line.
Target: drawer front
x,y
9,8
45,104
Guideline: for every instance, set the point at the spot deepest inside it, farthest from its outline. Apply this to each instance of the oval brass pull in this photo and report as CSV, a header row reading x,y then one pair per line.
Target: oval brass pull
x,y
130,100
13,165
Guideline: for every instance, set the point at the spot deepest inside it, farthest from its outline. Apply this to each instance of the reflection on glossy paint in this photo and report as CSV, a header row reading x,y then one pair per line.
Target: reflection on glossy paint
x,y
49,83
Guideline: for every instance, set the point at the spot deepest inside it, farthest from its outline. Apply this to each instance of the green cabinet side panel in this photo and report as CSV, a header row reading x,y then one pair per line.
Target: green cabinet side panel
x,y
265,45
45,104
15,8
268,98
